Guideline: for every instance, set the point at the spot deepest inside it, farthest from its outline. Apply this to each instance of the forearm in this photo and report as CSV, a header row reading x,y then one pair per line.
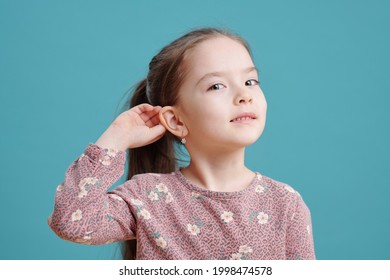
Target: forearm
x,y
81,200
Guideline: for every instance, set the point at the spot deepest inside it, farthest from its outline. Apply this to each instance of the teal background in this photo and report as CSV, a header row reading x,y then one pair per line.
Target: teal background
x,y
65,67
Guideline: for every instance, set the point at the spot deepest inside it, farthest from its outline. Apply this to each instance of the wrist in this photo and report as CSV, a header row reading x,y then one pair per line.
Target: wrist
x,y
112,138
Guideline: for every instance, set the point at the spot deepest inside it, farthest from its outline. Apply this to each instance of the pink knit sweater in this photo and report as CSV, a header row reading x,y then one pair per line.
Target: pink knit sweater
x,y
171,218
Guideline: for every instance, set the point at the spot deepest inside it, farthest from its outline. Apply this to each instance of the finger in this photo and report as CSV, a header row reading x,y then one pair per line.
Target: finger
x,y
150,115
153,121
144,107
156,133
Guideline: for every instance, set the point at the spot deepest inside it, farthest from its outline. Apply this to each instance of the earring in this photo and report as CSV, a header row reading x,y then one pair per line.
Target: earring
x,y
183,141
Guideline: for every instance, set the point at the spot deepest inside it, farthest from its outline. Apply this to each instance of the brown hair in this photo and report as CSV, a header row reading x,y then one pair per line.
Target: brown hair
x,y
161,86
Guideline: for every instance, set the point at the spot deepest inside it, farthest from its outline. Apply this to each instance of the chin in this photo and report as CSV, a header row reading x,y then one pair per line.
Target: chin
x,y
247,141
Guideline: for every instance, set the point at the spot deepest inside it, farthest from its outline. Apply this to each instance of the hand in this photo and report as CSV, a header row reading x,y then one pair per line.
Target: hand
x,y
134,128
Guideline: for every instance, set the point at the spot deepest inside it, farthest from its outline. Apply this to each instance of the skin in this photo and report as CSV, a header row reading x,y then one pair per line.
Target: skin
x,y
219,88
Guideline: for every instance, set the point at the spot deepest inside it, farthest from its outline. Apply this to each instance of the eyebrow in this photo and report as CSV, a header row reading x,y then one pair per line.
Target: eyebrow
x,y
219,74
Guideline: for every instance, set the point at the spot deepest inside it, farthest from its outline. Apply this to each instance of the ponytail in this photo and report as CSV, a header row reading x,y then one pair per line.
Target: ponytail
x,y
157,157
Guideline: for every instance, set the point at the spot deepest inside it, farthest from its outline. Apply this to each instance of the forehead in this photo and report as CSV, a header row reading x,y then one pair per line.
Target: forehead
x,y
220,54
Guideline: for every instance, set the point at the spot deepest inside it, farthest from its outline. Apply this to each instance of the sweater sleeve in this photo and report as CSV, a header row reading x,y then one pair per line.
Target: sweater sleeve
x,y
300,244
83,211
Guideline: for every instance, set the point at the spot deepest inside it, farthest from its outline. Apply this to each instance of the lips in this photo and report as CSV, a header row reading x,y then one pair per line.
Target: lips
x,y
244,117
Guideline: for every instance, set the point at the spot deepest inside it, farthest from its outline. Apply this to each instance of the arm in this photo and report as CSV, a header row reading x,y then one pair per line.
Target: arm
x,y
83,211
300,243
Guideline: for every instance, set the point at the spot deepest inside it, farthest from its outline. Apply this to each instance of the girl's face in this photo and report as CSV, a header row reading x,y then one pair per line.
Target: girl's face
x,y
220,100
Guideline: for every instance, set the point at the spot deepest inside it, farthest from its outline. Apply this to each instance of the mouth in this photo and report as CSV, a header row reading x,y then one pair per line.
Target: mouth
x,y
244,117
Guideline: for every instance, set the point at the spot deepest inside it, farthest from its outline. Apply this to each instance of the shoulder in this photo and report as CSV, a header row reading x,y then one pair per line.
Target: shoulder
x,y
279,190
284,196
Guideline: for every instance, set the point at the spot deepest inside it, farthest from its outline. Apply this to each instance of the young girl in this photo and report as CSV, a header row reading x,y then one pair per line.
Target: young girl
x,y
203,91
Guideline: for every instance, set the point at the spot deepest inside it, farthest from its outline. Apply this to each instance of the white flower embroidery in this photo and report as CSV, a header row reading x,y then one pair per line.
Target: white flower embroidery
x,y
236,256
195,194
259,189
136,202
263,218
245,249
259,177
290,189
115,196
145,214
60,187
227,216
161,242
162,188
169,198
88,181
77,215
106,160
308,229
110,153
193,229
153,196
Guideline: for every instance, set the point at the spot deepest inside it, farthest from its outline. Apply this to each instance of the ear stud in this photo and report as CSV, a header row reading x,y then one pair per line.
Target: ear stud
x,y
183,141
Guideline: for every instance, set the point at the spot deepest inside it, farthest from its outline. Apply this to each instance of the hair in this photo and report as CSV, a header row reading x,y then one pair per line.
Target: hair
x,y
167,71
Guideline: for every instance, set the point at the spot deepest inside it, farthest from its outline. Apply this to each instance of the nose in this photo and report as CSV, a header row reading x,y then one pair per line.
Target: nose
x,y
242,97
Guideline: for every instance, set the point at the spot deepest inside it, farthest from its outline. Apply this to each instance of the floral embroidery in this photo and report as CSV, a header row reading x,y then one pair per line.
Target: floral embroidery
x,y
263,218
153,196
106,159
308,229
236,256
197,195
227,216
136,202
60,187
77,215
169,198
86,184
259,189
259,177
140,210
193,229
159,191
161,242
242,254
145,214
162,188
245,249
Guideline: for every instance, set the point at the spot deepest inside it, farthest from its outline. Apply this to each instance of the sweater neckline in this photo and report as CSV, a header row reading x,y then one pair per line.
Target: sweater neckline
x,y
196,190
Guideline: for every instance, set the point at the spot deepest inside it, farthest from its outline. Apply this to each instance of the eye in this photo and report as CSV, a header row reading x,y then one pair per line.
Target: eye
x,y
216,87
252,82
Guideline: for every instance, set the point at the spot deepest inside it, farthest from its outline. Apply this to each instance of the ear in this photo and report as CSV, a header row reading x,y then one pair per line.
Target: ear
x,y
170,119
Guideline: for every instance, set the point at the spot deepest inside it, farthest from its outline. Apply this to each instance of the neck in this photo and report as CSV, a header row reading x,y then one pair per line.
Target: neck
x,y
224,171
